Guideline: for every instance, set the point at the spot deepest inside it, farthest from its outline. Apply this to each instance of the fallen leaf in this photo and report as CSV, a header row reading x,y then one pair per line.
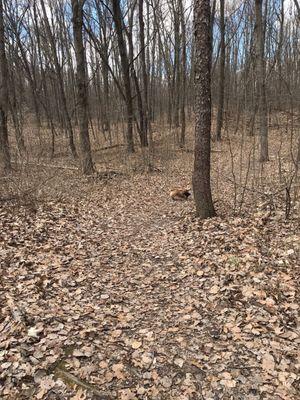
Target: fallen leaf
x,y
118,370
34,332
268,363
179,362
166,382
135,344
80,395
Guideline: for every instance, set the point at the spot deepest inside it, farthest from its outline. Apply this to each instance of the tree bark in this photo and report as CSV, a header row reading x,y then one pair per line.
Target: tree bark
x,y
261,81
4,144
118,20
203,53
183,76
298,15
222,74
144,70
177,56
82,91
133,74
297,7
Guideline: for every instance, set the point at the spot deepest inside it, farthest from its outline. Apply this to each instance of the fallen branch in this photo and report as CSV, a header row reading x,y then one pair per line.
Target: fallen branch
x,y
110,147
67,376
52,166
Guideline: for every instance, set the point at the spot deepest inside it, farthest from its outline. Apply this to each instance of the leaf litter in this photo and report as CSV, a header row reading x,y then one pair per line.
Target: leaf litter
x,y
126,295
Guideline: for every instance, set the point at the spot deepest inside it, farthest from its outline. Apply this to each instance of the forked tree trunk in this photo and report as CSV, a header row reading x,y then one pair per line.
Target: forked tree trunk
x,y
4,145
82,91
203,51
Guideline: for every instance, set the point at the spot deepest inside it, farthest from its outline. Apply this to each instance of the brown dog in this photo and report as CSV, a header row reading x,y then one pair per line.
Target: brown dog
x,y
180,194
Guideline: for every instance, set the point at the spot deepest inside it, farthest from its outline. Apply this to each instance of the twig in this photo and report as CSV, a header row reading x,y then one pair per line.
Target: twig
x,y
78,382
53,166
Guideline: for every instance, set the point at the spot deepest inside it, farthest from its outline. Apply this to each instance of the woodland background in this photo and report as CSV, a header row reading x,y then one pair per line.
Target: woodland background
x,y
108,288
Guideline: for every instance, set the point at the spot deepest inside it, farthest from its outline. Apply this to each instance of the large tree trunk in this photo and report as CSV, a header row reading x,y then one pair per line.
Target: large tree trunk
x,y
222,73
4,145
82,92
261,81
203,50
118,20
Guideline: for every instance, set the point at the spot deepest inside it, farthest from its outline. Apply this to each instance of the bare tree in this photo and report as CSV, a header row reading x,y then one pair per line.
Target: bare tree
x,y
203,51
58,70
119,25
82,90
144,70
222,73
140,68
176,66
261,80
183,74
138,93
4,145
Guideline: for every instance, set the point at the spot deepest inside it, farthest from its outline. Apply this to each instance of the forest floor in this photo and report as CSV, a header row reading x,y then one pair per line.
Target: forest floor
x,y
110,290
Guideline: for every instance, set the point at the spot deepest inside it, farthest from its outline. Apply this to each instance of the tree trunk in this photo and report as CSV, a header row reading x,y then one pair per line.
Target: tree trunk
x,y
212,18
176,76
118,20
144,70
297,7
183,76
140,106
105,72
261,81
298,15
222,74
82,92
203,52
14,109
4,144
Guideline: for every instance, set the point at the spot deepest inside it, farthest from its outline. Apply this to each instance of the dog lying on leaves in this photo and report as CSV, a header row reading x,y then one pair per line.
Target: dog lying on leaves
x,y
180,194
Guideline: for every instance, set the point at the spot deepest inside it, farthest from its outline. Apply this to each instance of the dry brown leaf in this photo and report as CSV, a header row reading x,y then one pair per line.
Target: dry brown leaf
x,y
45,384
228,383
179,362
126,394
135,344
118,370
214,289
166,382
80,395
268,362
